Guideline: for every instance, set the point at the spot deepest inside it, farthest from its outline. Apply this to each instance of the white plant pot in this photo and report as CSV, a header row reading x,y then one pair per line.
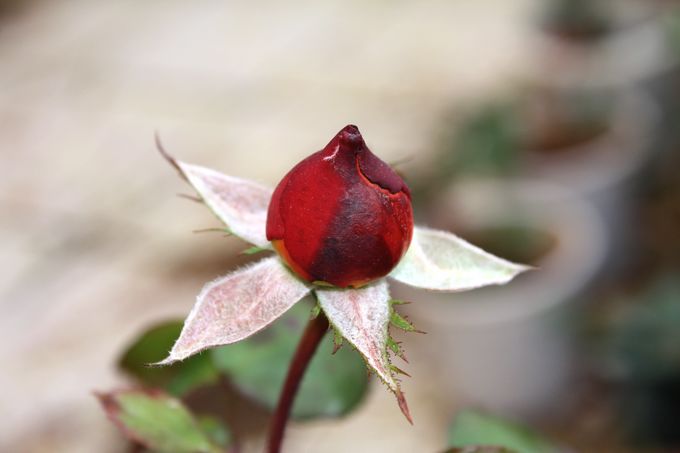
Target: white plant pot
x,y
604,170
503,348
608,161
636,50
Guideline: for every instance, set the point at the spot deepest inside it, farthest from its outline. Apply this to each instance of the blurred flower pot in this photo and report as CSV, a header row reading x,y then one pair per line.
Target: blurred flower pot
x,y
507,349
665,87
604,169
592,165
594,142
577,21
595,43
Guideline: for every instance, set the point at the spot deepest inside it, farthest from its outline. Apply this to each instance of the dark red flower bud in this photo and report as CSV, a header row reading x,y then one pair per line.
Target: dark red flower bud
x,y
341,216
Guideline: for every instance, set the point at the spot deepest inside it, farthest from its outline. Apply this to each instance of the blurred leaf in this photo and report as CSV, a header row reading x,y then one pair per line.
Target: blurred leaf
x,y
215,430
333,384
161,422
471,428
643,341
486,143
178,378
479,449
671,23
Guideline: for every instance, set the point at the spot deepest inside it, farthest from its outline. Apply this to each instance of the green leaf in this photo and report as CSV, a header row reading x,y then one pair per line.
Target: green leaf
x,y
472,428
178,378
215,430
161,423
333,384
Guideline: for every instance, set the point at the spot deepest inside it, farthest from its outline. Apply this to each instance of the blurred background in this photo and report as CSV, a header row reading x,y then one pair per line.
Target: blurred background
x,y
542,130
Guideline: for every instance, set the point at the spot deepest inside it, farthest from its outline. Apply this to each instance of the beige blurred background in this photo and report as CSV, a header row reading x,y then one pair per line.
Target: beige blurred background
x,y
94,242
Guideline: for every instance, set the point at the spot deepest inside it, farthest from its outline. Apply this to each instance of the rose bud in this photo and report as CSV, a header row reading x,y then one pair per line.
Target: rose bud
x,y
341,216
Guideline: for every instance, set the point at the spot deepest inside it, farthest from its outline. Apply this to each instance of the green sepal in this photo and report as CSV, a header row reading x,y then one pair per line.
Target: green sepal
x,y
225,231
402,323
337,340
323,284
394,302
393,345
396,369
316,311
396,348
253,250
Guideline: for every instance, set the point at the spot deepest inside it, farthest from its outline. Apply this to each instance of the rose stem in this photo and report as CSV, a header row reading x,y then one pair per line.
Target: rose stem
x,y
314,332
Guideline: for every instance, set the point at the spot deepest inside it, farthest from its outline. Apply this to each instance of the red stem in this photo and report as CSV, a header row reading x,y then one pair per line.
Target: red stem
x,y
314,332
